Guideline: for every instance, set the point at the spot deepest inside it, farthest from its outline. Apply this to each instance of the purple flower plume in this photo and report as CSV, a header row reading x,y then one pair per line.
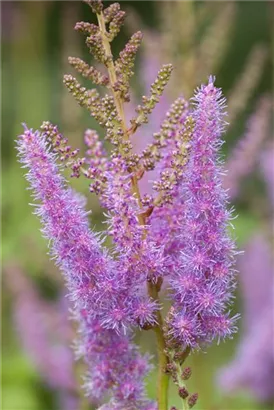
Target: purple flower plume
x,y
116,365
167,220
139,254
267,169
253,365
65,224
44,331
203,284
245,154
256,277
96,281
88,268
185,241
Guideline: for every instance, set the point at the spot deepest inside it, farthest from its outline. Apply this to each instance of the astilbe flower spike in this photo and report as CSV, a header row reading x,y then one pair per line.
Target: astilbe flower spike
x,y
176,233
208,252
65,224
267,170
81,258
244,155
44,330
252,367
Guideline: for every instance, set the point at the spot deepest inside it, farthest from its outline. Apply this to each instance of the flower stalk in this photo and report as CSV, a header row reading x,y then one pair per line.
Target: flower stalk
x,y
163,379
111,70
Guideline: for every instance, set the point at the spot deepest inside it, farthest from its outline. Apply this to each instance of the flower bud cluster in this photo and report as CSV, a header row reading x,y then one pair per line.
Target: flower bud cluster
x,y
95,45
192,400
167,134
116,24
96,158
175,164
111,11
140,253
86,28
96,5
88,72
102,109
85,98
156,90
60,145
177,354
124,64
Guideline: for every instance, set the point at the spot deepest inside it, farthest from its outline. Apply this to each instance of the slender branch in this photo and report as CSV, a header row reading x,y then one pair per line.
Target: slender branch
x,y
179,379
163,379
111,71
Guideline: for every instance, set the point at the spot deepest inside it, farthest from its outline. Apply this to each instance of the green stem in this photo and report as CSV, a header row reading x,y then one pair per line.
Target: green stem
x,y
180,381
185,404
111,70
163,379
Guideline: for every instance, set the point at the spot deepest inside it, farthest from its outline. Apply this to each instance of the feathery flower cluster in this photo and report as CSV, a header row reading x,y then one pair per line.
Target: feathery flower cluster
x,y
252,367
89,270
267,169
116,366
45,333
60,146
245,85
204,282
244,155
253,364
177,233
194,60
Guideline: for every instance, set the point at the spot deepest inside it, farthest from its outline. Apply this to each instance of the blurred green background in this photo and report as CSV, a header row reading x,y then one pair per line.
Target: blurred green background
x,y
37,37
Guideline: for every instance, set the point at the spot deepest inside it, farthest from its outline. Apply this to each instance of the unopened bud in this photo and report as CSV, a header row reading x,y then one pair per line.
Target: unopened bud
x,y
183,393
186,373
192,400
170,368
96,5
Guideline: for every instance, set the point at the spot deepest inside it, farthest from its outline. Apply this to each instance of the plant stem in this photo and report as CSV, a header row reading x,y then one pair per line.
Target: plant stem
x,y
180,381
163,379
111,71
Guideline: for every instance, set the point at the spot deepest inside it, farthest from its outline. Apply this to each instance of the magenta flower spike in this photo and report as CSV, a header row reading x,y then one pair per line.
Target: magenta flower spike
x,y
83,262
77,250
252,366
203,284
174,236
244,156
44,331
267,170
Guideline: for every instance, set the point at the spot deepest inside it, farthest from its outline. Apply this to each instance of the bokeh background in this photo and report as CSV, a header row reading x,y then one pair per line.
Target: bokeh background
x,y
231,40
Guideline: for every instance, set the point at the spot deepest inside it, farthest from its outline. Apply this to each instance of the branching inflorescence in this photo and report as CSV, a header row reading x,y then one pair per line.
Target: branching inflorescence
x,y
176,234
